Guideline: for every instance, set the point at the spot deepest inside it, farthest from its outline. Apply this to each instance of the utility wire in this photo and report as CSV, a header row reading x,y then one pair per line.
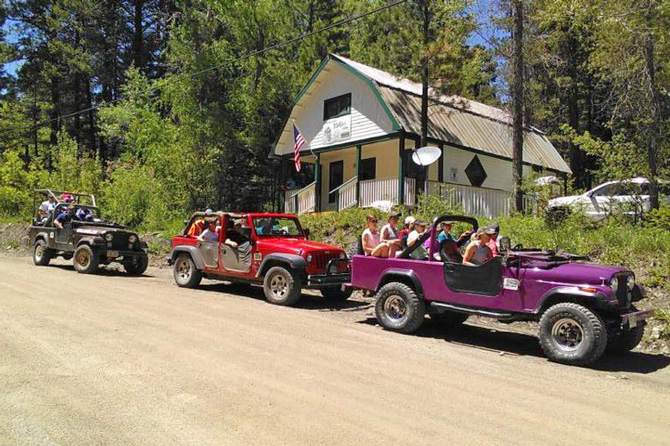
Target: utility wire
x,y
229,62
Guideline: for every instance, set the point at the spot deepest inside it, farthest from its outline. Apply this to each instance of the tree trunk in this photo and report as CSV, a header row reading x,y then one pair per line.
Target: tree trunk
x,y
517,101
54,116
138,34
577,161
655,125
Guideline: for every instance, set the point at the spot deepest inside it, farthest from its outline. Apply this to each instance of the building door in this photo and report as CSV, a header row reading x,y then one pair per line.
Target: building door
x,y
368,169
335,178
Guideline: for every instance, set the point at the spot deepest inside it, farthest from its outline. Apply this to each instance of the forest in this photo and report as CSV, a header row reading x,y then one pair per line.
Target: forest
x,y
161,107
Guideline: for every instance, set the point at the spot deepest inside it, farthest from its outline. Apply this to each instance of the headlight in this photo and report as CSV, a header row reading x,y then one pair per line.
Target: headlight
x,y
343,255
132,239
630,282
109,237
308,258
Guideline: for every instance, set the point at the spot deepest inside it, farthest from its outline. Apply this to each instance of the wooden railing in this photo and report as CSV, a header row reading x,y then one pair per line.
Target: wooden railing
x,y
410,191
383,189
301,201
346,194
473,200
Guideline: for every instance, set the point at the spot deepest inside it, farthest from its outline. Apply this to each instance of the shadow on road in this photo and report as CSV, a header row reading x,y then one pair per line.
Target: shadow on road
x,y
308,301
106,271
522,344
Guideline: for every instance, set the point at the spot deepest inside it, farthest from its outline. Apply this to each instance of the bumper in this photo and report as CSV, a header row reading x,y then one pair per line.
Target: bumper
x,y
113,254
632,320
327,280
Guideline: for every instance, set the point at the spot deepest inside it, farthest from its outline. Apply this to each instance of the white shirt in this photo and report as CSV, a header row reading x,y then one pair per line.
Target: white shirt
x,y
47,206
209,236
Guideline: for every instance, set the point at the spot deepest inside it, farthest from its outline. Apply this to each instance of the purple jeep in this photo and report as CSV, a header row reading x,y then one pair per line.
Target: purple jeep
x,y
582,309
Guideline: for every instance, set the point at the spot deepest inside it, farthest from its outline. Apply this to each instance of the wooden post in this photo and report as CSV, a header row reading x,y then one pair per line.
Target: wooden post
x,y
317,180
401,169
440,164
358,173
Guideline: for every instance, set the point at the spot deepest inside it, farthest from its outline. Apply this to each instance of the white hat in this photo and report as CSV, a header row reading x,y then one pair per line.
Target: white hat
x,y
409,220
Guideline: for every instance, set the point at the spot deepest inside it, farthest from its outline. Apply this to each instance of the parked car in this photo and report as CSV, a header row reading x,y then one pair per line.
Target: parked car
x,y
90,243
629,197
582,308
272,249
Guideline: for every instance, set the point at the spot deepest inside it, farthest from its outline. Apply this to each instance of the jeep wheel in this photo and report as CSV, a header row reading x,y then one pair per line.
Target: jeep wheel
x,y
572,334
336,293
185,272
449,320
398,308
626,340
85,259
41,254
136,266
280,286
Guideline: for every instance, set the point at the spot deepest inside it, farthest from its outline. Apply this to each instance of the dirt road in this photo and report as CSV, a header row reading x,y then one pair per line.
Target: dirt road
x,y
112,360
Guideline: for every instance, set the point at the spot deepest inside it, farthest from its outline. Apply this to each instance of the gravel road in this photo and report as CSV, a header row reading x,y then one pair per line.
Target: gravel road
x,y
111,360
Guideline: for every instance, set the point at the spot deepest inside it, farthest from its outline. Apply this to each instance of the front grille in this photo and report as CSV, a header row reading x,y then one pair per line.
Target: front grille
x,y
119,241
623,294
321,259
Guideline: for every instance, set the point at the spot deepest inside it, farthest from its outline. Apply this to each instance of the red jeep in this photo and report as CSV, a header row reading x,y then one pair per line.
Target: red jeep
x,y
264,248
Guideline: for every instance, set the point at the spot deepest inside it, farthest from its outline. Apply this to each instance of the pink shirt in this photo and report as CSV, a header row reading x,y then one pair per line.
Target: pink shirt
x,y
492,246
370,240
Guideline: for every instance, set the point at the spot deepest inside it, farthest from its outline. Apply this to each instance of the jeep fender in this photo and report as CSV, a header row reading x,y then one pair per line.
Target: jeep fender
x,y
294,261
403,273
193,251
43,235
87,241
563,293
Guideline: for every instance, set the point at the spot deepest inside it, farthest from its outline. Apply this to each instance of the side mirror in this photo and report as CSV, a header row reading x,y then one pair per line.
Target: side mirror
x,y
306,231
505,244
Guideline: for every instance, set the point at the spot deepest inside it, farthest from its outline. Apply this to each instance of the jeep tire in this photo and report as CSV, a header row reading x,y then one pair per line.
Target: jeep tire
x,y
41,254
86,259
572,334
626,340
336,293
399,308
449,320
280,287
136,266
185,273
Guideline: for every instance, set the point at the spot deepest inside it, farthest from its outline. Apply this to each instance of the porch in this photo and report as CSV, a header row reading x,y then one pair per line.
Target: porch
x,y
478,201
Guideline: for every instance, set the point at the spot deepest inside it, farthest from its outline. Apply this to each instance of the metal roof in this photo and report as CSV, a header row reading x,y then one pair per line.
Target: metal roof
x,y
460,121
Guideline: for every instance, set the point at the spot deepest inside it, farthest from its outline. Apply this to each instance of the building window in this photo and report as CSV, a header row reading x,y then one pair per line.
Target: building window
x,y
368,169
475,172
335,178
339,106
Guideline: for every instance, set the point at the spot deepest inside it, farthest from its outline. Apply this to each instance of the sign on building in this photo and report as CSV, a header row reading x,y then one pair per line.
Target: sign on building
x,y
337,129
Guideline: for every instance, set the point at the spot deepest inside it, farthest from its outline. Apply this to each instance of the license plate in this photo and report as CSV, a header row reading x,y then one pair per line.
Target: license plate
x,y
632,321
112,253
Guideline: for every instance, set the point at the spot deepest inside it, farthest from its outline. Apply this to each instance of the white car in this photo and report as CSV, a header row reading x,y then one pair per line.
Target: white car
x,y
628,196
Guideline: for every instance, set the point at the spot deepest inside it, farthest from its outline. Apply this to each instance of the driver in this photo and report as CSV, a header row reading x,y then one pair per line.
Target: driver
x,y
493,230
234,236
64,217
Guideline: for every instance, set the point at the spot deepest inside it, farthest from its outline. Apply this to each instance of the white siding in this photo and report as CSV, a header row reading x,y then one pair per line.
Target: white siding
x,y
368,118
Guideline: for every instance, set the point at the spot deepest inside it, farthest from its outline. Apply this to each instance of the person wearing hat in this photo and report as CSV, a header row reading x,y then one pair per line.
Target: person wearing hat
x,y
445,233
492,230
64,217
420,252
478,252
209,234
389,233
406,229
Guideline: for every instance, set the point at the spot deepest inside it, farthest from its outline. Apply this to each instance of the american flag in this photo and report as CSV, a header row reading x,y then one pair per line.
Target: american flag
x,y
299,142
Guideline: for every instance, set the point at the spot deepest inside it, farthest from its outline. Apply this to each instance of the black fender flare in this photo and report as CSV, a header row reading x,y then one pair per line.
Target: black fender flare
x,y
193,251
404,273
296,262
88,240
595,298
42,235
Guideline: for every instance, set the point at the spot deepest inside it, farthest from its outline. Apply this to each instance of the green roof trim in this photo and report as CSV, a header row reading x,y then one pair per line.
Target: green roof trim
x,y
373,86
369,82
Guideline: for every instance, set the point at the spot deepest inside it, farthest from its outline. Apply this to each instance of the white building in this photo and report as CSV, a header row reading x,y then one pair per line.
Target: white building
x,y
361,123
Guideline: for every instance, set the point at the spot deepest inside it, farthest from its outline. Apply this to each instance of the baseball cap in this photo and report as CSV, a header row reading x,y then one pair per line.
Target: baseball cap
x,y
420,223
393,214
409,220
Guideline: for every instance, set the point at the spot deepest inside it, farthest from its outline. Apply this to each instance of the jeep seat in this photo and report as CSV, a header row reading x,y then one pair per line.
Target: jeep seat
x,y
449,252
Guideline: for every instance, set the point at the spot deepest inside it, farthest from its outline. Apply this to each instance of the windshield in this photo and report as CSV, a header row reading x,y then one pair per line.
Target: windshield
x,y
277,226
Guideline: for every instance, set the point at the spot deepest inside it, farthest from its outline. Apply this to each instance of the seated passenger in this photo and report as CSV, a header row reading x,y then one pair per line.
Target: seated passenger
x,y
445,233
47,206
66,197
234,236
407,228
198,225
64,217
83,214
371,240
477,251
389,233
209,234
492,230
420,253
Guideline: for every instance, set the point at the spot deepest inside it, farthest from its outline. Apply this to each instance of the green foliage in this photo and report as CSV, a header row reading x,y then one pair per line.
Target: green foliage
x,y
663,315
14,185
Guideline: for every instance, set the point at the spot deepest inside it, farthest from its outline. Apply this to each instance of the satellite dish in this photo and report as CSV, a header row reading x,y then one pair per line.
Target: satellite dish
x,y
425,156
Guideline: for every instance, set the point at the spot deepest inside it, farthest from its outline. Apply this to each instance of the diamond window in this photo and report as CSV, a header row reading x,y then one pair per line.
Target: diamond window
x,y
475,172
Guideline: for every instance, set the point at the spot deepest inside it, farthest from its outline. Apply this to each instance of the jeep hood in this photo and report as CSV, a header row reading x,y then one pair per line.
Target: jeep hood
x,y
576,273
295,244
98,230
